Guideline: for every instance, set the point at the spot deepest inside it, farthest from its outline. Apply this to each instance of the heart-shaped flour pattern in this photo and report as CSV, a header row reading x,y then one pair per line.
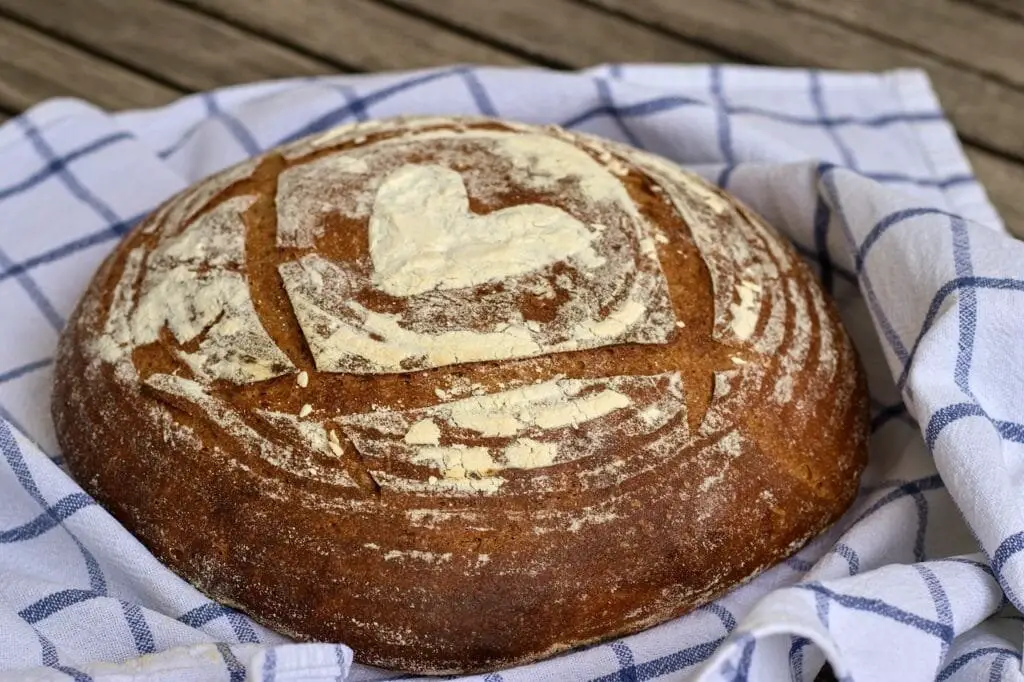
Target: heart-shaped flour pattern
x,y
574,268
423,235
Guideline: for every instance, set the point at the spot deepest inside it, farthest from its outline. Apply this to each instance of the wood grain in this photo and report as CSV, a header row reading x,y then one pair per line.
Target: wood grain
x,y
955,32
1004,183
1012,8
358,33
172,44
561,32
983,110
35,67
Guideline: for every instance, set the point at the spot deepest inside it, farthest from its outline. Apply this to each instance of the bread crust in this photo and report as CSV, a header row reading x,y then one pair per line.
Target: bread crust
x,y
332,527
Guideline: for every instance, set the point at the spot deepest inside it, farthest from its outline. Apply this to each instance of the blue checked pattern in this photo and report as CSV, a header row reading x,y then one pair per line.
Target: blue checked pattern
x,y
924,577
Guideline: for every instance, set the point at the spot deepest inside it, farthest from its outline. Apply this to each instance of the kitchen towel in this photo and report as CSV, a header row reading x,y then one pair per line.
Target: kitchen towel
x,y
922,579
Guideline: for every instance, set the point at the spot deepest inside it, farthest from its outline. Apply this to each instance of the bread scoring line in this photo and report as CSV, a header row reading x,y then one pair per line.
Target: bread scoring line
x,y
469,444
746,307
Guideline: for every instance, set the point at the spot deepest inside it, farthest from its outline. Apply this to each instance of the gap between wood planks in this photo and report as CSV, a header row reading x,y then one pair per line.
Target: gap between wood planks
x,y
170,45
958,34
35,66
368,35
144,52
1011,9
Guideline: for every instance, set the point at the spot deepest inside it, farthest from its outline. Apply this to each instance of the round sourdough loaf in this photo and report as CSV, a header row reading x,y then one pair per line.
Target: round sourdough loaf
x,y
460,393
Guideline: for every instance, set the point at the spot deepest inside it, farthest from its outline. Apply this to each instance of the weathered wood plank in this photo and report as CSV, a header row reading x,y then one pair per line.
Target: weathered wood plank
x,y
1014,8
34,67
359,33
983,110
1004,183
967,35
561,32
174,44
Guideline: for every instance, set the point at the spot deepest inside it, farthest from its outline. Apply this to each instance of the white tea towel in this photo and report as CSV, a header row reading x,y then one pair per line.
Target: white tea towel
x,y
923,578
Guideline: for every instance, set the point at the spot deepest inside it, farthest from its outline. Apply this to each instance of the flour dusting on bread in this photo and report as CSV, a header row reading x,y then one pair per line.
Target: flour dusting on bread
x,y
441,361
593,256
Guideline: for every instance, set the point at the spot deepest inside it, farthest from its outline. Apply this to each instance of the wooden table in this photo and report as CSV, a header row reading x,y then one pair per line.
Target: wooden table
x,y
138,53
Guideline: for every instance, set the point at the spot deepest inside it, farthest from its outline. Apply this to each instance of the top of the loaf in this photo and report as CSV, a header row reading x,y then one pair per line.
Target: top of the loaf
x,y
424,245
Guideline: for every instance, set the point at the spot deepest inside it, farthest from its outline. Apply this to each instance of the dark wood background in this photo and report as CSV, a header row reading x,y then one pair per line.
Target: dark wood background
x,y
137,53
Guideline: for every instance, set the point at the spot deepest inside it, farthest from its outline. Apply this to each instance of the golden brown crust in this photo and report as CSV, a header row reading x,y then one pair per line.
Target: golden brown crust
x,y
350,540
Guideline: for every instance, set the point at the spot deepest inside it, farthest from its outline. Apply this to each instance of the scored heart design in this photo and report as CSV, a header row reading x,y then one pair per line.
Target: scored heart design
x,y
428,246
423,235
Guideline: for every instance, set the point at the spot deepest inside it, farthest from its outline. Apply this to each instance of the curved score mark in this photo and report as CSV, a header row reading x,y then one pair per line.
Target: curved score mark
x,y
262,256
